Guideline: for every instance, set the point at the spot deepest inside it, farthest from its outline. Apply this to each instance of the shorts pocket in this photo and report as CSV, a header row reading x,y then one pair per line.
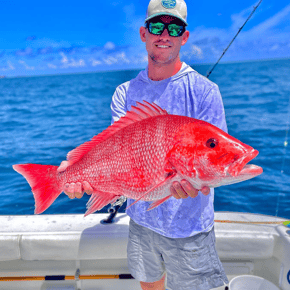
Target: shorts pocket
x,y
198,260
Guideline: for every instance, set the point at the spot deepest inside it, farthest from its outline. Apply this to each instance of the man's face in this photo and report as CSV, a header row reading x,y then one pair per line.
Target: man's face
x,y
163,49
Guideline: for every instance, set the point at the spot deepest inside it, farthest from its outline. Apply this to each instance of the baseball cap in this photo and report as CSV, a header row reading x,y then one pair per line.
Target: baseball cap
x,y
176,8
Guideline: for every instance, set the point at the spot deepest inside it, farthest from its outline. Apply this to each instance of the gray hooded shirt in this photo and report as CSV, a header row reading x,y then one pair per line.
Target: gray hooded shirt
x,y
187,93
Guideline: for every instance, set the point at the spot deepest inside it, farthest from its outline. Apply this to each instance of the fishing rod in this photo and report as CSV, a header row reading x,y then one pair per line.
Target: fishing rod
x,y
285,223
64,277
255,8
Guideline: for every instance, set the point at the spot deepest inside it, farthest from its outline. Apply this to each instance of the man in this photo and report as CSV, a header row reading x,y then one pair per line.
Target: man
x,y
176,237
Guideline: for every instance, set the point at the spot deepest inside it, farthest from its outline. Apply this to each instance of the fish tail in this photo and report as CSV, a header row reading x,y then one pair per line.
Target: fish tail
x,y
45,185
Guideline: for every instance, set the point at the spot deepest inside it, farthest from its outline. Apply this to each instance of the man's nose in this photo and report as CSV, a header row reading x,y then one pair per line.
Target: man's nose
x,y
165,33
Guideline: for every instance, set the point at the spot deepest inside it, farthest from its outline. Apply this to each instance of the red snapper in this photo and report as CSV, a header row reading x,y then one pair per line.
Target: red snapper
x,y
140,156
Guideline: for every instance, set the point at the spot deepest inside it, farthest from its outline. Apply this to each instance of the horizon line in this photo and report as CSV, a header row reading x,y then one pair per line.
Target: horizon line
x,y
141,68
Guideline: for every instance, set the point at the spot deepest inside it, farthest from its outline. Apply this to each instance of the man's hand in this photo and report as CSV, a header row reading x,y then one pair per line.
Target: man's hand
x,y
178,190
184,189
78,189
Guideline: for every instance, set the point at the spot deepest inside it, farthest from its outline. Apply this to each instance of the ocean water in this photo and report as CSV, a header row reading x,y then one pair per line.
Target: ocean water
x,y
43,118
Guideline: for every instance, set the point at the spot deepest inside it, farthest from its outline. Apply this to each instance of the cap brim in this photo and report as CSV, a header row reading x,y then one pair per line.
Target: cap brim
x,y
165,13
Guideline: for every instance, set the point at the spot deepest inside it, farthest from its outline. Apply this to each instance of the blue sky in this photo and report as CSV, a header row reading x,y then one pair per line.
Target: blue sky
x,y
53,37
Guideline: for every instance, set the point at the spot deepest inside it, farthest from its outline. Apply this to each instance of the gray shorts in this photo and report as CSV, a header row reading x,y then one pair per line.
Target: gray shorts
x,y
189,262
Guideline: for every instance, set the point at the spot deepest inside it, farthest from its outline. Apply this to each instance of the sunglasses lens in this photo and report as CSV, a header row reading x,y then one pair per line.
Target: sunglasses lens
x,y
175,30
156,28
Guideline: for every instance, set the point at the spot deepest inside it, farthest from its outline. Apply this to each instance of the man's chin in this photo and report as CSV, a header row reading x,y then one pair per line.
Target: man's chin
x,y
161,60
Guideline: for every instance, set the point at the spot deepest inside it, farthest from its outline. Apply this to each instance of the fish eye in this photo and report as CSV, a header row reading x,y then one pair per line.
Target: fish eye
x,y
211,143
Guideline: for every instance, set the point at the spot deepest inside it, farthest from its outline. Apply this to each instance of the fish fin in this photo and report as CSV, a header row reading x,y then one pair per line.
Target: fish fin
x,y
169,176
98,200
43,182
136,114
158,202
63,166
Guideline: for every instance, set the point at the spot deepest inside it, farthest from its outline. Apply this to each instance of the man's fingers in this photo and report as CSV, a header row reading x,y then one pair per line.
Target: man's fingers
x,y
174,193
177,190
78,190
69,190
205,190
87,187
188,188
65,188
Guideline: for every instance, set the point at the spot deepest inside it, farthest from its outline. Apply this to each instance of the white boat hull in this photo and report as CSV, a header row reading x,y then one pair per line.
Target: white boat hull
x,y
50,245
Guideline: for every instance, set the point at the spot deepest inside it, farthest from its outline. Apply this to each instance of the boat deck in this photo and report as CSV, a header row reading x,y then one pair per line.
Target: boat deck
x,y
51,245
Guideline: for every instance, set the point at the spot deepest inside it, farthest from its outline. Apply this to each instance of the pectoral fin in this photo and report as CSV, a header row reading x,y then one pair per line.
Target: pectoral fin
x,y
98,200
158,202
169,176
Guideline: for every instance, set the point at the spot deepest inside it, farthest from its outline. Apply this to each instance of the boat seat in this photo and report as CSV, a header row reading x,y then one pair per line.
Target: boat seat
x,y
244,245
68,237
73,237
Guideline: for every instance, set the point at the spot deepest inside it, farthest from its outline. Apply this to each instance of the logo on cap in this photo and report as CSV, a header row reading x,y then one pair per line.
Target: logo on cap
x,y
169,4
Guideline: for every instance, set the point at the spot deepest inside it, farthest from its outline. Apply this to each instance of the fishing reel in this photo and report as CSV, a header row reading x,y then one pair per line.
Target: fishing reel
x,y
113,210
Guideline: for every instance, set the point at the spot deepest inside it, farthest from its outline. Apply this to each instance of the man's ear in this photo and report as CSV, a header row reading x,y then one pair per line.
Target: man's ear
x,y
143,33
185,37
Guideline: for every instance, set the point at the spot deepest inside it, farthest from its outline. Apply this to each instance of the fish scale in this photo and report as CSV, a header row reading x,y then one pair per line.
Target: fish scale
x,y
140,147
146,154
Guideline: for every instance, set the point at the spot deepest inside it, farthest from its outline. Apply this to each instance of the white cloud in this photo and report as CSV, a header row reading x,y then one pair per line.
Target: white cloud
x,y
140,59
47,42
110,60
71,62
192,52
24,52
264,40
26,65
122,57
109,45
81,62
77,63
239,19
8,67
269,24
144,58
196,51
202,33
95,62
274,47
64,59
113,59
205,44
53,66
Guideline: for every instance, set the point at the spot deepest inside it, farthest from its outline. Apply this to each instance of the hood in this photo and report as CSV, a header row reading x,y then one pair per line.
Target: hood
x,y
185,69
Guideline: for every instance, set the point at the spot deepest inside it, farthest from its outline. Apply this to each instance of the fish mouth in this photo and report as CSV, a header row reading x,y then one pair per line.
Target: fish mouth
x,y
240,166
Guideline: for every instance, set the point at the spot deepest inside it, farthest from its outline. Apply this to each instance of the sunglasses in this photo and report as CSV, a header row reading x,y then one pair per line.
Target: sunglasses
x,y
158,27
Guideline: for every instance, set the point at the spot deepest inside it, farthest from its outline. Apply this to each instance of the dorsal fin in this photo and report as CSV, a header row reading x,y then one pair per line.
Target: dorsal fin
x,y
136,114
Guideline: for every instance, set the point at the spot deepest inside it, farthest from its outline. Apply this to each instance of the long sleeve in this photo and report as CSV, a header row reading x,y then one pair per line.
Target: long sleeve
x,y
118,104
